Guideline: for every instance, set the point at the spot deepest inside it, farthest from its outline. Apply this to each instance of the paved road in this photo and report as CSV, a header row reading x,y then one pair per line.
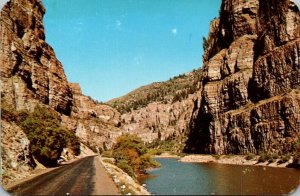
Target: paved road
x,y
83,177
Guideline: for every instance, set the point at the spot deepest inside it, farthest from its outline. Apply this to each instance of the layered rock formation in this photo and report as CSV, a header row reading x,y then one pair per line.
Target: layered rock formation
x,y
32,75
250,92
159,121
97,125
30,72
160,111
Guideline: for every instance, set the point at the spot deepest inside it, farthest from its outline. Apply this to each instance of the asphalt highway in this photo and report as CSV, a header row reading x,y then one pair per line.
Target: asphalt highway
x,y
77,178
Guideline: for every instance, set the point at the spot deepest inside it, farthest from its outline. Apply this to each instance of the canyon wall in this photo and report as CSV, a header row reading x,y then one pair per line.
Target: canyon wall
x,y
250,92
160,111
31,75
161,121
97,125
30,72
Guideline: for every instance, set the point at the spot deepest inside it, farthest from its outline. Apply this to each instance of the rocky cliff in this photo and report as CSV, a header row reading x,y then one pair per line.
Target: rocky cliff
x,y
160,111
97,125
30,72
31,75
250,92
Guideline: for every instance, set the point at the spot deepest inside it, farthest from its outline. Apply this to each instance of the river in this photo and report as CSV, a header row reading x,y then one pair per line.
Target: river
x,y
179,178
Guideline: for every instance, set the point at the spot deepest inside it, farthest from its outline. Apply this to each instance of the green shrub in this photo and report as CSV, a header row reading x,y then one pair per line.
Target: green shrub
x,y
271,159
262,158
275,156
107,153
47,138
123,164
155,151
131,155
250,157
286,158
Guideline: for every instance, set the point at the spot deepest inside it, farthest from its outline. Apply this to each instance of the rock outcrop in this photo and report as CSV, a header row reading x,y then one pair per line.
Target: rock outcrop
x,y
250,94
160,111
31,75
17,161
160,121
30,72
97,125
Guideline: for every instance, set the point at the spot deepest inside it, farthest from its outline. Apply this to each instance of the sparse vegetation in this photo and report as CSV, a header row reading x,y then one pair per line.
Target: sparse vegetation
x,y
175,89
205,43
217,156
285,158
172,144
262,157
250,156
167,145
296,154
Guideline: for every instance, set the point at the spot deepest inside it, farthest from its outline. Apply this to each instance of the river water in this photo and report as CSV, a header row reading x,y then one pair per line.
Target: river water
x,y
178,178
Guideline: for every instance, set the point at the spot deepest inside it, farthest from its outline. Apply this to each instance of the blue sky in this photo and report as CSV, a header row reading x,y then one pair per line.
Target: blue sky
x,y
112,47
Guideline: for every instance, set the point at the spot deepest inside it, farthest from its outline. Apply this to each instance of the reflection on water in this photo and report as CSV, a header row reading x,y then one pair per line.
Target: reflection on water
x,y
210,178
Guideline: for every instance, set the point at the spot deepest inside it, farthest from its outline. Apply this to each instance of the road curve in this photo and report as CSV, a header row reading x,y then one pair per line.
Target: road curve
x,y
78,178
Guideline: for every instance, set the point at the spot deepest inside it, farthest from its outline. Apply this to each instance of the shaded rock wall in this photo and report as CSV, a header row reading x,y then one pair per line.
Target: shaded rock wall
x,y
250,97
29,70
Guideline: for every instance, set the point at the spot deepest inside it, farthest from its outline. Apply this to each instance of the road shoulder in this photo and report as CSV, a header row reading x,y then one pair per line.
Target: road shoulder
x,y
104,185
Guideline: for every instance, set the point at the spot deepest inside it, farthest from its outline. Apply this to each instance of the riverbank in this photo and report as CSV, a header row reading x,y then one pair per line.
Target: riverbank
x,y
126,184
232,160
166,155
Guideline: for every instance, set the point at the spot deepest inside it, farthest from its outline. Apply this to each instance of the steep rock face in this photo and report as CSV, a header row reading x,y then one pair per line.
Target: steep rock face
x,y
85,107
159,121
237,18
94,123
31,75
29,69
250,90
16,158
160,111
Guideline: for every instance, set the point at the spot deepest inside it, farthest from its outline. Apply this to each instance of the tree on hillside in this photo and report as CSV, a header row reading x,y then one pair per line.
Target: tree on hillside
x,y
47,137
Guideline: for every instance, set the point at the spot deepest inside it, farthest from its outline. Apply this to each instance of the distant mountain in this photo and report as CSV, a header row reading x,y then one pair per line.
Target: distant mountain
x,y
175,89
160,112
